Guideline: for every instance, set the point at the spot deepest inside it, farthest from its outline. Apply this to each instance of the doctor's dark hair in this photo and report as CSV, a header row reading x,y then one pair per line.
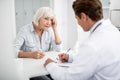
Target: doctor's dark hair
x,y
92,8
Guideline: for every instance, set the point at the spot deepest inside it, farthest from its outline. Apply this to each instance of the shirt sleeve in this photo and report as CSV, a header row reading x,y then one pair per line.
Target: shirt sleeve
x,y
19,41
56,47
82,68
70,58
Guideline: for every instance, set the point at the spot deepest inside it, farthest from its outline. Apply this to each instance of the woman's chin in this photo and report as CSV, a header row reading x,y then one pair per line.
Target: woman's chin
x,y
46,28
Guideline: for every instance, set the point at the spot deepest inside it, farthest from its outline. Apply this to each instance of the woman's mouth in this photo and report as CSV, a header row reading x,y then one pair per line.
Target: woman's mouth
x,y
47,26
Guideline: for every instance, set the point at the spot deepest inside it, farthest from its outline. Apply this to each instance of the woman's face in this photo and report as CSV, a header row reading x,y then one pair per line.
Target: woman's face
x,y
45,23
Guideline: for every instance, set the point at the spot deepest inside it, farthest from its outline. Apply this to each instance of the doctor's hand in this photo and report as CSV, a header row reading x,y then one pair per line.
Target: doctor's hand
x,y
48,61
38,55
63,57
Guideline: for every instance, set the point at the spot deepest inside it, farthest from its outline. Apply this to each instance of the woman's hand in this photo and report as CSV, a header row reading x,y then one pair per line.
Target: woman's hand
x,y
63,57
54,23
56,35
38,55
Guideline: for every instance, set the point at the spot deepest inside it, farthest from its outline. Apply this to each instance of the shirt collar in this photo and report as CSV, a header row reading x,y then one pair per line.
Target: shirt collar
x,y
94,26
32,28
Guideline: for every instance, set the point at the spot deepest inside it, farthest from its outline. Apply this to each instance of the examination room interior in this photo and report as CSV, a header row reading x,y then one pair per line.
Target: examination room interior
x,y
16,13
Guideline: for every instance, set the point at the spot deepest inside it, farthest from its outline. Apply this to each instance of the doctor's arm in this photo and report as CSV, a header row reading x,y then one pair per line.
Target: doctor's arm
x,y
82,68
63,58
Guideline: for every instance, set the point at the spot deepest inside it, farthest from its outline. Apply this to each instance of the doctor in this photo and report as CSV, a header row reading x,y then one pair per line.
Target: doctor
x,y
98,57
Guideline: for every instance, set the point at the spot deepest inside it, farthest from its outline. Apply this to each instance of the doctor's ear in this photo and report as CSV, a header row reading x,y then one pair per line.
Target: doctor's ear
x,y
84,16
81,15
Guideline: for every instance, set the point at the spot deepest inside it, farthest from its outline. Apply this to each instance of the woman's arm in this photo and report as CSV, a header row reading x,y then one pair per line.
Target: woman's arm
x,y
19,43
35,54
56,35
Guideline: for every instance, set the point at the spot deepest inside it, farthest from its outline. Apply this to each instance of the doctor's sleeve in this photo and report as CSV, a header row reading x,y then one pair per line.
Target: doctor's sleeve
x,y
82,68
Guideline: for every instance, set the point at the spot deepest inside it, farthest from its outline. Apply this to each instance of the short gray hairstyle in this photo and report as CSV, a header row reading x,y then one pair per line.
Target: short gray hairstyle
x,y
43,12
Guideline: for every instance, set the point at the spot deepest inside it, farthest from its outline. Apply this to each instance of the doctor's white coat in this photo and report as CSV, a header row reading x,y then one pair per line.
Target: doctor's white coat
x,y
98,58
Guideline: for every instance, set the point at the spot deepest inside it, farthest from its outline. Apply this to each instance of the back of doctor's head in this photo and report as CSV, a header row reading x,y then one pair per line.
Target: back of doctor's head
x,y
43,12
92,8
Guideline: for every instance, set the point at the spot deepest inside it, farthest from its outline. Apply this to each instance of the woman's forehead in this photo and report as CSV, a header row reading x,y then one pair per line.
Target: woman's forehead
x,y
46,17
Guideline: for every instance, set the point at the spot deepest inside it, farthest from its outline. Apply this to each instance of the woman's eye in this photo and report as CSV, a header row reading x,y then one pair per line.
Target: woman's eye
x,y
46,18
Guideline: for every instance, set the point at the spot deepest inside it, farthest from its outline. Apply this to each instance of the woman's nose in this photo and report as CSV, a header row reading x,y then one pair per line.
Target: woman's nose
x,y
49,22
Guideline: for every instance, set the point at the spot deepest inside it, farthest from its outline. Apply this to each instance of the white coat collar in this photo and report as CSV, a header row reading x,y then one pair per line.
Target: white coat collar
x,y
97,24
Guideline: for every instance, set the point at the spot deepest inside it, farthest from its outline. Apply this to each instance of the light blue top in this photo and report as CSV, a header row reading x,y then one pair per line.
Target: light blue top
x,y
27,40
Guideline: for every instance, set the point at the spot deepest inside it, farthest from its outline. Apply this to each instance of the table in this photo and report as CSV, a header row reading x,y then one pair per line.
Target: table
x,y
35,67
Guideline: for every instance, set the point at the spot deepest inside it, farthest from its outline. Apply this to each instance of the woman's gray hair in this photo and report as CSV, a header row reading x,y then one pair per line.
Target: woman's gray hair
x,y
42,12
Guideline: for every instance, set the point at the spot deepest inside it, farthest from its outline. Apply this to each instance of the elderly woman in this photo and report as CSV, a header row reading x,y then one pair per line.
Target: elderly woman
x,y
39,36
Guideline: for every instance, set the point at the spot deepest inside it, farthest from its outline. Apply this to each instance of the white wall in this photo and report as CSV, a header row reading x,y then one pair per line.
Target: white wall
x,y
25,10
8,69
76,35
66,22
60,9
72,26
115,13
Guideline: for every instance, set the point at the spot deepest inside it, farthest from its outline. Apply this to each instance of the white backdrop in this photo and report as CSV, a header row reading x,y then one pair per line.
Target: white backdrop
x,y
8,64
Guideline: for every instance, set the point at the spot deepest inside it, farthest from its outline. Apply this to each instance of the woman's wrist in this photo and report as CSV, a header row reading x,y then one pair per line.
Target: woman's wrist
x,y
54,28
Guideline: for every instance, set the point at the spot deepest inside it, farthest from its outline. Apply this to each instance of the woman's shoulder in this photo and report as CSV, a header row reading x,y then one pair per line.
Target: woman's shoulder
x,y
25,28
